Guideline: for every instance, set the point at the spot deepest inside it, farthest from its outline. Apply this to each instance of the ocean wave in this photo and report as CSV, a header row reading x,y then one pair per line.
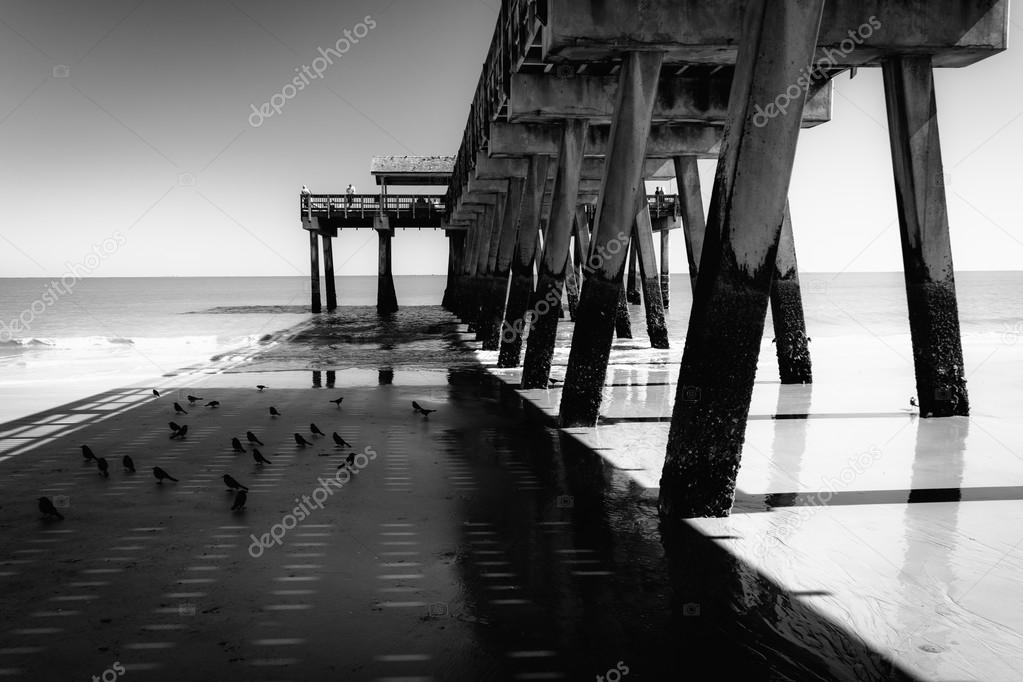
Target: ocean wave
x,y
252,309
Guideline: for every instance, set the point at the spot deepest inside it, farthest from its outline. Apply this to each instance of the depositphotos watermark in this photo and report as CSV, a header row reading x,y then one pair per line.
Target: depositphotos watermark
x,y
63,286
304,509
307,73
809,74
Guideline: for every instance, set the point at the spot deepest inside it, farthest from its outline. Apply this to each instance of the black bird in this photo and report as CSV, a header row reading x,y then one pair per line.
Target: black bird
x,y
912,401
341,442
87,452
178,409
258,456
337,402
128,463
274,412
233,484
104,468
239,501
236,445
47,508
156,393
301,441
350,459
180,433
193,398
261,386
419,409
161,474
316,430
252,438
554,381
213,403
174,426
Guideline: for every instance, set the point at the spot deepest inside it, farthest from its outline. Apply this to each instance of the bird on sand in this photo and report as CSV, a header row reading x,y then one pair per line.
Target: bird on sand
x,y
252,438
213,403
313,428
337,402
239,501
350,459
129,464
231,483
419,409
47,508
178,409
156,393
87,452
261,386
341,442
236,445
104,468
258,456
161,474
180,433
301,441
193,398
174,426
274,412
554,381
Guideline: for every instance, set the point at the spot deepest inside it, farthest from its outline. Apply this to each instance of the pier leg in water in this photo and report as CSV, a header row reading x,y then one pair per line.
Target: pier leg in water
x,y
694,223
787,311
623,323
314,266
632,279
486,284
469,282
623,180
503,263
736,265
643,242
387,301
546,307
665,275
572,280
328,272
521,286
926,246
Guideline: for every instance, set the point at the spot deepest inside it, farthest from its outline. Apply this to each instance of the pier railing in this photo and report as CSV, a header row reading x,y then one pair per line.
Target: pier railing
x,y
405,206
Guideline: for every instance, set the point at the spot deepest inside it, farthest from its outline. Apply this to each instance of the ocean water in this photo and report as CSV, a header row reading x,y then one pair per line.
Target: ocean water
x,y
112,332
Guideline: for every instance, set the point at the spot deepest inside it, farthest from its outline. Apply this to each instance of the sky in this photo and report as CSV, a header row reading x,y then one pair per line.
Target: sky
x,y
127,130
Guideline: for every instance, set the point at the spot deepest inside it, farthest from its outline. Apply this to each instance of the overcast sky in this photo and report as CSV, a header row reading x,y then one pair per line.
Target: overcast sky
x,y
136,118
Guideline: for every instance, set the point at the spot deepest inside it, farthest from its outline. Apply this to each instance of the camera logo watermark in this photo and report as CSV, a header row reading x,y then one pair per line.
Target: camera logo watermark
x,y
111,673
308,73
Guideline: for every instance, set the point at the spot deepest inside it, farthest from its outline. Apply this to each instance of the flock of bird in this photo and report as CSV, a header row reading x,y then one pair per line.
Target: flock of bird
x,y
180,431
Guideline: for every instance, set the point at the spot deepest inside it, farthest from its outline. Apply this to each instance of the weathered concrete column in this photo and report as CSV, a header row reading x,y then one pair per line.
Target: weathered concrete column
x,y
572,281
665,274
498,294
690,198
449,286
328,272
623,323
632,278
314,266
926,246
643,242
485,281
456,241
471,269
616,213
737,261
546,302
387,301
521,287
787,311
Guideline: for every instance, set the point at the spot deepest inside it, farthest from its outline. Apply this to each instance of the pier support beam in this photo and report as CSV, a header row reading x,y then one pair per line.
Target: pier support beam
x,y
623,323
665,274
521,287
737,262
926,247
632,279
616,215
314,267
694,224
498,295
485,281
572,281
387,301
546,301
643,242
328,272
787,311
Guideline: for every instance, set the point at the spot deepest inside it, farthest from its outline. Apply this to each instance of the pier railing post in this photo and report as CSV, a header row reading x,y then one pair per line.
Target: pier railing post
x,y
387,301
926,246
546,301
521,287
314,266
328,272
616,214
790,338
736,265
